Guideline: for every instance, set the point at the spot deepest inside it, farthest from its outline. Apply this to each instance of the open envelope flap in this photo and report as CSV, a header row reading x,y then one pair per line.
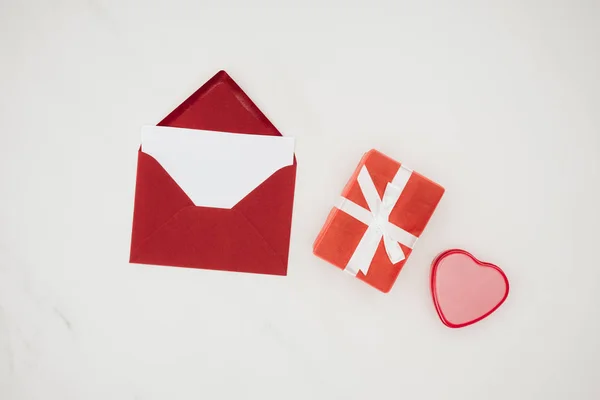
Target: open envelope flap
x,y
221,105
216,169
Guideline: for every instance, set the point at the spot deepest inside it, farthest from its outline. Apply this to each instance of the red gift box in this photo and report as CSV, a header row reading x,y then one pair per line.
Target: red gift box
x,y
383,210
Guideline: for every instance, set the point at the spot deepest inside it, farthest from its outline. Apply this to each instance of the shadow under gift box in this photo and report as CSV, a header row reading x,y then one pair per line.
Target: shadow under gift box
x,y
342,235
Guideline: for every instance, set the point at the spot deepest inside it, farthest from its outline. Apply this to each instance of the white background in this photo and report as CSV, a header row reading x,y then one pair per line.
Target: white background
x,y
498,103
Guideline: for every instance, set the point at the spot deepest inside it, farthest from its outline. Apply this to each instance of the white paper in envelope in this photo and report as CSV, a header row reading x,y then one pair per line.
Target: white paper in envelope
x,y
216,169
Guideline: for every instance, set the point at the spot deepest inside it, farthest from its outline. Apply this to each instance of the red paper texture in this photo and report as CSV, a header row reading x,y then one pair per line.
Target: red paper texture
x,y
253,236
341,233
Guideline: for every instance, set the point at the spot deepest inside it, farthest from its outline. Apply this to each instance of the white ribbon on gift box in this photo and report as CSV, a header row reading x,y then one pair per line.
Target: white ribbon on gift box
x,y
377,220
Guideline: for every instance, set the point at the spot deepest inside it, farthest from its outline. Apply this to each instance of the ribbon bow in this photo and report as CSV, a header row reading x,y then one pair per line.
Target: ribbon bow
x,y
377,220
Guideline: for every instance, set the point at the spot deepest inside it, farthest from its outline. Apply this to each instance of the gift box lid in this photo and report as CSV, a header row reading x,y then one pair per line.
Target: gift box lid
x,y
377,179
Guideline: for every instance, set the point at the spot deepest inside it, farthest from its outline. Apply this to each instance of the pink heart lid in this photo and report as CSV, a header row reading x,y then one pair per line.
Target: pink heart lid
x,y
466,290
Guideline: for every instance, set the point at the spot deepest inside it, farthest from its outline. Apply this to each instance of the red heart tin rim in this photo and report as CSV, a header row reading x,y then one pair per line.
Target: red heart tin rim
x,y
478,263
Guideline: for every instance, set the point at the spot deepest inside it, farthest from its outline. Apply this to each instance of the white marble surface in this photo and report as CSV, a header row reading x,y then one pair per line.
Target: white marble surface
x,y
500,104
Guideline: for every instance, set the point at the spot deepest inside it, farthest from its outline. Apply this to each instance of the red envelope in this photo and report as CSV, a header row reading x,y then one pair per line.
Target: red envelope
x,y
252,236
